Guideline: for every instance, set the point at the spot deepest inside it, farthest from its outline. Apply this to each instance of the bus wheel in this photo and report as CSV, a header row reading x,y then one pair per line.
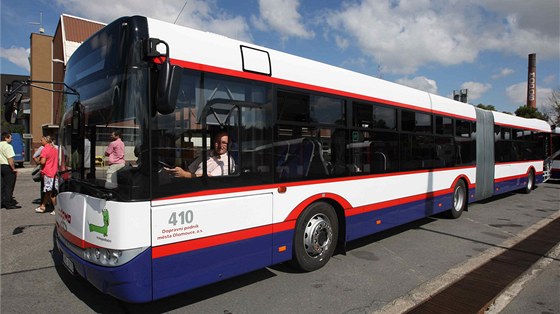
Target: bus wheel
x,y
459,200
530,182
316,236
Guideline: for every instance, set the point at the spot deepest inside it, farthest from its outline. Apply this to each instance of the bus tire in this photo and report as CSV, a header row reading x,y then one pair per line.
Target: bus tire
x,y
315,237
530,182
459,200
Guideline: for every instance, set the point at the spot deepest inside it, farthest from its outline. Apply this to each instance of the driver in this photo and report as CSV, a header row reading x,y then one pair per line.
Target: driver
x,y
218,163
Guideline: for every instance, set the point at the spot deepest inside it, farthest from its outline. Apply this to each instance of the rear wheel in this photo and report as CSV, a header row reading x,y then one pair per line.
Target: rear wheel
x,y
530,182
316,236
459,200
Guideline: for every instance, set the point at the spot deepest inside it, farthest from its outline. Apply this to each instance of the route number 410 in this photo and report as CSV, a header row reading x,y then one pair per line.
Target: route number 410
x,y
185,217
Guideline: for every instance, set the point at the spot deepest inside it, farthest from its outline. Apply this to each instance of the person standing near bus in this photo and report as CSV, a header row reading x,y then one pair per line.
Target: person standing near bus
x,y
37,159
218,163
9,172
49,163
115,152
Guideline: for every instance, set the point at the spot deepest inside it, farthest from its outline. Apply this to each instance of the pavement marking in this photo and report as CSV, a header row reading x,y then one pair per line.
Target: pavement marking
x,y
504,298
437,284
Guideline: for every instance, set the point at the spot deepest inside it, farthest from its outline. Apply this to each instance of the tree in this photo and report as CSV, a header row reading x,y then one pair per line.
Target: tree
x,y
486,107
530,112
553,102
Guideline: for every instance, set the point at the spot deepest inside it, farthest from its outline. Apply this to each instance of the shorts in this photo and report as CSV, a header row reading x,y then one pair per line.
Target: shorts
x,y
49,184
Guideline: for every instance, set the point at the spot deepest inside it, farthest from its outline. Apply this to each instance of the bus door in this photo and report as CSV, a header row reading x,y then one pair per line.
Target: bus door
x,y
211,228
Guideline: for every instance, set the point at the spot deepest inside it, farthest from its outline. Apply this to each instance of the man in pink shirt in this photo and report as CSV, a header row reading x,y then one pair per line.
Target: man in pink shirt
x,y
115,152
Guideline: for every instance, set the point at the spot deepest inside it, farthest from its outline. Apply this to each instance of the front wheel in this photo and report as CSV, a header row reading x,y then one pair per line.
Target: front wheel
x,y
315,237
459,200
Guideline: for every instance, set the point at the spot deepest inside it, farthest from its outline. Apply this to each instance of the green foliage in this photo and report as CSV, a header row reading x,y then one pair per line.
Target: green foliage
x,y
486,107
530,112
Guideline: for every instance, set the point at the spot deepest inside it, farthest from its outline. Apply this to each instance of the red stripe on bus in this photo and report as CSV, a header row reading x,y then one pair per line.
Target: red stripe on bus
x,y
395,202
405,200
70,237
197,244
510,178
521,127
273,80
306,182
83,244
294,214
288,224
516,162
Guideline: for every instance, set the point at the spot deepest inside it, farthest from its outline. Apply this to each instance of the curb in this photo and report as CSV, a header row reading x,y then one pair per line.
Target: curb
x,y
437,284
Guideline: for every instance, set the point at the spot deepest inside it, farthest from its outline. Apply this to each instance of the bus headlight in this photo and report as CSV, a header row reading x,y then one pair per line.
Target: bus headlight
x,y
103,256
109,257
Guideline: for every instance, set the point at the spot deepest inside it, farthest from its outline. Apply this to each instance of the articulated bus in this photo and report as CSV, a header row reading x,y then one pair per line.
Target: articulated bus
x,y
322,156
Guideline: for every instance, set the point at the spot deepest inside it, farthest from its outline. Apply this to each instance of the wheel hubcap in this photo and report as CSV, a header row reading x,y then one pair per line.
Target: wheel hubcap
x,y
317,236
530,182
458,198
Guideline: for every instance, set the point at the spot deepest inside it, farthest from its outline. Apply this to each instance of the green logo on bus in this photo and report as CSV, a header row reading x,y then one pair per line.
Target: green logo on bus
x,y
101,229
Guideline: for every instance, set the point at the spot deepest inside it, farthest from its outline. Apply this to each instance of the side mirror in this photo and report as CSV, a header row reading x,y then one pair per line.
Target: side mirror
x,y
169,78
12,107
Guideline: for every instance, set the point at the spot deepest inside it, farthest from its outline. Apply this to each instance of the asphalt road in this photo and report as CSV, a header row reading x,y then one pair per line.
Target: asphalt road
x,y
384,272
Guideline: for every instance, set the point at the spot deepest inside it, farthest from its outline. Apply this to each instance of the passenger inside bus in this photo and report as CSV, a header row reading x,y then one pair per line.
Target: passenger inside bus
x,y
218,162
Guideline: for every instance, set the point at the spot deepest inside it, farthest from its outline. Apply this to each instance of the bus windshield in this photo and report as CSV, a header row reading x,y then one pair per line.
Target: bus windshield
x,y
113,88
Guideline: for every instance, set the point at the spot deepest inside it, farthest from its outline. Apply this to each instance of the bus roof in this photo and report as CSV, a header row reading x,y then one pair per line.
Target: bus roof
x,y
505,119
196,49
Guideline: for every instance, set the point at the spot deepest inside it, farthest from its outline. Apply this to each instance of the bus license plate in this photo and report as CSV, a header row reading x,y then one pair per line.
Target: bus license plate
x,y
68,264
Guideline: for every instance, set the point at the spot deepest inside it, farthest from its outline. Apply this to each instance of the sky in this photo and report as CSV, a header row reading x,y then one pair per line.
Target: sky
x,y
434,45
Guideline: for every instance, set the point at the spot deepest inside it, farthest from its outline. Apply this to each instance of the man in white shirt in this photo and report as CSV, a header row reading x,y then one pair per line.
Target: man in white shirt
x,y
218,163
9,172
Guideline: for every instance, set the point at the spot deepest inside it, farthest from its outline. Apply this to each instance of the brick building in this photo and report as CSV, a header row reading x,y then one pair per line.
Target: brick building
x,y
48,58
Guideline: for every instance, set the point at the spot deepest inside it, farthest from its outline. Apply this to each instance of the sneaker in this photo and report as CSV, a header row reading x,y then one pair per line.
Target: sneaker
x,y
12,206
40,210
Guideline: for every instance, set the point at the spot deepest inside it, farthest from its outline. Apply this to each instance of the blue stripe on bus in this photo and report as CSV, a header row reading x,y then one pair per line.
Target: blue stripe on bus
x,y
180,272
185,271
518,183
365,224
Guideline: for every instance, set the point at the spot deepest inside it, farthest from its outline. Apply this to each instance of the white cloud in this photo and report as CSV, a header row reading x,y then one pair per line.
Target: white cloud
x,y
283,17
405,35
476,89
342,42
199,14
17,55
421,83
503,73
517,95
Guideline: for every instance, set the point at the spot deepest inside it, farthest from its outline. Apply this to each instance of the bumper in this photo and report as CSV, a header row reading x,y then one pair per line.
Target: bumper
x,y
131,282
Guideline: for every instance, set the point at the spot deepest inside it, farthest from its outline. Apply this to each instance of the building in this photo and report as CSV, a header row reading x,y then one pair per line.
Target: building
x,y
48,58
